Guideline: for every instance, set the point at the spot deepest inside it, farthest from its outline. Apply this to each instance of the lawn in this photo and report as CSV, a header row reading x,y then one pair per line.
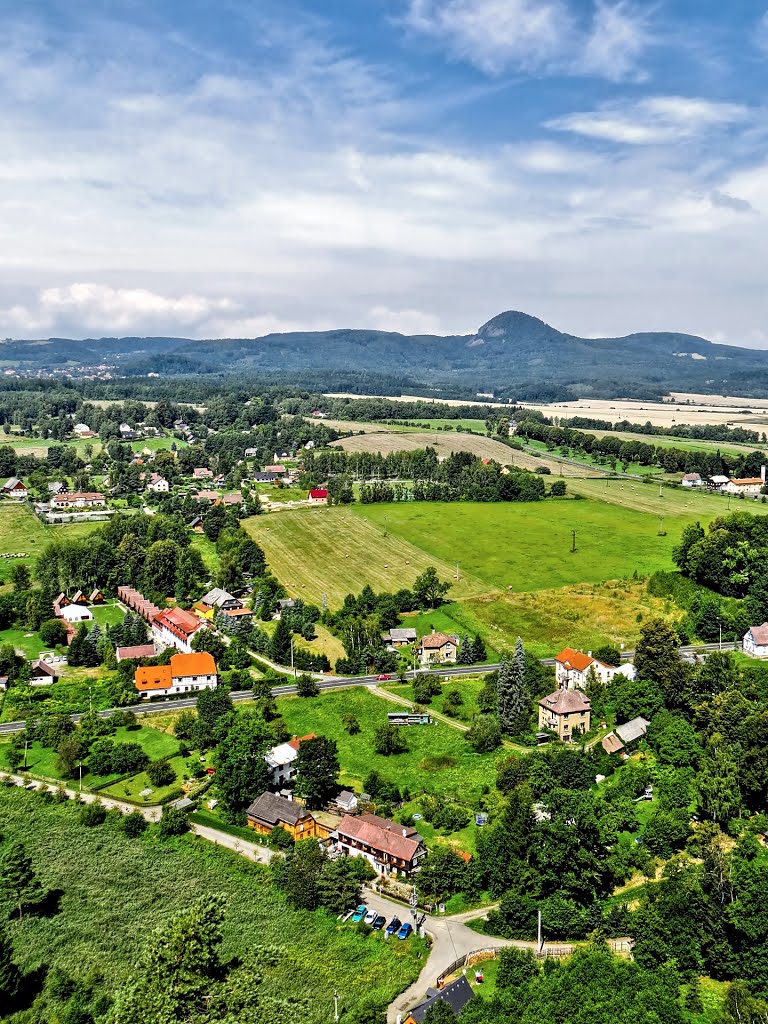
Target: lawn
x,y
336,551
108,614
454,618
207,551
25,641
156,444
438,759
133,788
527,546
42,760
76,689
467,686
116,891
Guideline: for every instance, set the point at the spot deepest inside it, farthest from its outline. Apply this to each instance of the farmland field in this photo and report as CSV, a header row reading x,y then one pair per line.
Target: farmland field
x,y
446,441
438,760
527,546
336,551
116,891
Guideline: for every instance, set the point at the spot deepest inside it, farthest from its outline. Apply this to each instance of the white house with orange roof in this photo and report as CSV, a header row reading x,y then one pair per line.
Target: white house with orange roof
x,y
572,669
185,674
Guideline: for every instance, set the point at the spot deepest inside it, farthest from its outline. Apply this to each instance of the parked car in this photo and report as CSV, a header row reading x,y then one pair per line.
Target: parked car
x,y
371,916
383,678
346,917
405,931
379,923
360,913
394,926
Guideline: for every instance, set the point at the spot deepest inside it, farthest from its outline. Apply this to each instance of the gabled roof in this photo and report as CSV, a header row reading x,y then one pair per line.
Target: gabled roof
x,y
748,481
13,483
456,994
381,835
434,641
612,744
42,668
759,634
274,810
198,663
136,652
178,619
153,677
296,742
632,730
319,492
692,476
563,702
409,633
571,659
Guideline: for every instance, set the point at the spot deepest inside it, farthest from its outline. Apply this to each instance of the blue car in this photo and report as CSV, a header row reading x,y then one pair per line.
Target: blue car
x,y
394,926
360,913
405,931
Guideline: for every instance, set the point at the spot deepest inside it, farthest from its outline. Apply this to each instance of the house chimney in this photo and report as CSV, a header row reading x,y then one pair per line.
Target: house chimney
x,y
762,473
433,631
405,833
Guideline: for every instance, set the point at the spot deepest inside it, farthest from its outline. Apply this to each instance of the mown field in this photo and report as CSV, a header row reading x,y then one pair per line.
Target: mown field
x,y
527,546
336,551
115,891
22,532
438,760
445,442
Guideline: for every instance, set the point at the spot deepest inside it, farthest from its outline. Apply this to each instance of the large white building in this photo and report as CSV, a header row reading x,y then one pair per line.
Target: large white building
x,y
185,674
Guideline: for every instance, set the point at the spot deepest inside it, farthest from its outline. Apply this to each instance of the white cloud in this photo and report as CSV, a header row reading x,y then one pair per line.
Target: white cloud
x,y
537,35
652,121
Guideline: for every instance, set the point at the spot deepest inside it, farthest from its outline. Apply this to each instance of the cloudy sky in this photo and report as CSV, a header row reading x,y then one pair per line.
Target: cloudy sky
x,y
247,166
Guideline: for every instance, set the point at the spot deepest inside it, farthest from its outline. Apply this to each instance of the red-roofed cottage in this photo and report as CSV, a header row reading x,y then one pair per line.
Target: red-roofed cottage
x,y
175,628
319,496
390,847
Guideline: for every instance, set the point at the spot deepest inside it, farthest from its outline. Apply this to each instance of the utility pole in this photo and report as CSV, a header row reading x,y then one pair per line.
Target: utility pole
x,y
336,1007
573,541
293,667
539,939
80,766
720,627
660,494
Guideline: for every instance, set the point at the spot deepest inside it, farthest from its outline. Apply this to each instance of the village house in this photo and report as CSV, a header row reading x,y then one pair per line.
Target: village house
x,y
59,602
209,496
79,499
136,652
278,469
566,712
746,486
572,668
396,638
196,525
218,600
346,801
185,674
75,613
82,430
270,811
251,453
15,488
455,994
96,597
318,496
57,487
175,628
691,480
42,674
202,473
716,483
158,484
390,847
281,761
625,735
264,477
437,648
755,641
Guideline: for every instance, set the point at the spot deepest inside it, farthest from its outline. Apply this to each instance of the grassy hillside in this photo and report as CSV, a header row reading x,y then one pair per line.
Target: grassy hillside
x,y
115,891
336,551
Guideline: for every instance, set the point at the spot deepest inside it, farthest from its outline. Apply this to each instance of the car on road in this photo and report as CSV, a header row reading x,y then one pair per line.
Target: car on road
x,y
379,923
360,913
383,678
371,916
394,926
405,931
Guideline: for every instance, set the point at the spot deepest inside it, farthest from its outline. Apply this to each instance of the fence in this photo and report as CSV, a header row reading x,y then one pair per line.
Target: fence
x,y
545,953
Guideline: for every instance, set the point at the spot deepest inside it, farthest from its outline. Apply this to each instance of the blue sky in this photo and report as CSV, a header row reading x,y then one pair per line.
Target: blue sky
x,y
416,165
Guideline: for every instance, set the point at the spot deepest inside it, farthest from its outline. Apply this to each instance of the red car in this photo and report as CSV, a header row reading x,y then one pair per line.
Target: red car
x,y
210,771
383,679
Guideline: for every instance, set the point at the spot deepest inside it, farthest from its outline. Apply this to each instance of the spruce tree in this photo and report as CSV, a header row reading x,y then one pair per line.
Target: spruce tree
x,y
479,653
512,703
18,879
280,646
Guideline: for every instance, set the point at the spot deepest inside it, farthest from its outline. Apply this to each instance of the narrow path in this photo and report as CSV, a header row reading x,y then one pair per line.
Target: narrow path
x,y
397,699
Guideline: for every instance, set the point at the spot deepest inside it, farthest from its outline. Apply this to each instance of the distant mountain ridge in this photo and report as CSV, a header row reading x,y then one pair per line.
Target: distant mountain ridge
x,y
511,354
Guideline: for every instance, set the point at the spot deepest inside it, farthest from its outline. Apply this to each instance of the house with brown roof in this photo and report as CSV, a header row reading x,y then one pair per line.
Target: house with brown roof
x,y
391,848
755,641
136,652
42,674
186,673
175,628
438,648
96,597
566,712
15,488
270,811
202,473
78,499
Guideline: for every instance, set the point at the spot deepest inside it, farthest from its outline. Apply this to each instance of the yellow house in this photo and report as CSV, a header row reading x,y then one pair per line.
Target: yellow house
x,y
270,810
566,712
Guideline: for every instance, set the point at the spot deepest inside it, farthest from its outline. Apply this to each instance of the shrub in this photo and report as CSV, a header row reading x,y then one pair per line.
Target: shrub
x,y
485,734
92,814
134,824
306,686
351,724
173,822
53,632
279,838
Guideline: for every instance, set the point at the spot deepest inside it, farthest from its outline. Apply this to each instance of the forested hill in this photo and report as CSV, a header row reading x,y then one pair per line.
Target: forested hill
x,y
512,355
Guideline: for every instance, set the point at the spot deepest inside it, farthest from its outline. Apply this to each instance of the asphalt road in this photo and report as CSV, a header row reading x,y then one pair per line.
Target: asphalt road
x,y
339,682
